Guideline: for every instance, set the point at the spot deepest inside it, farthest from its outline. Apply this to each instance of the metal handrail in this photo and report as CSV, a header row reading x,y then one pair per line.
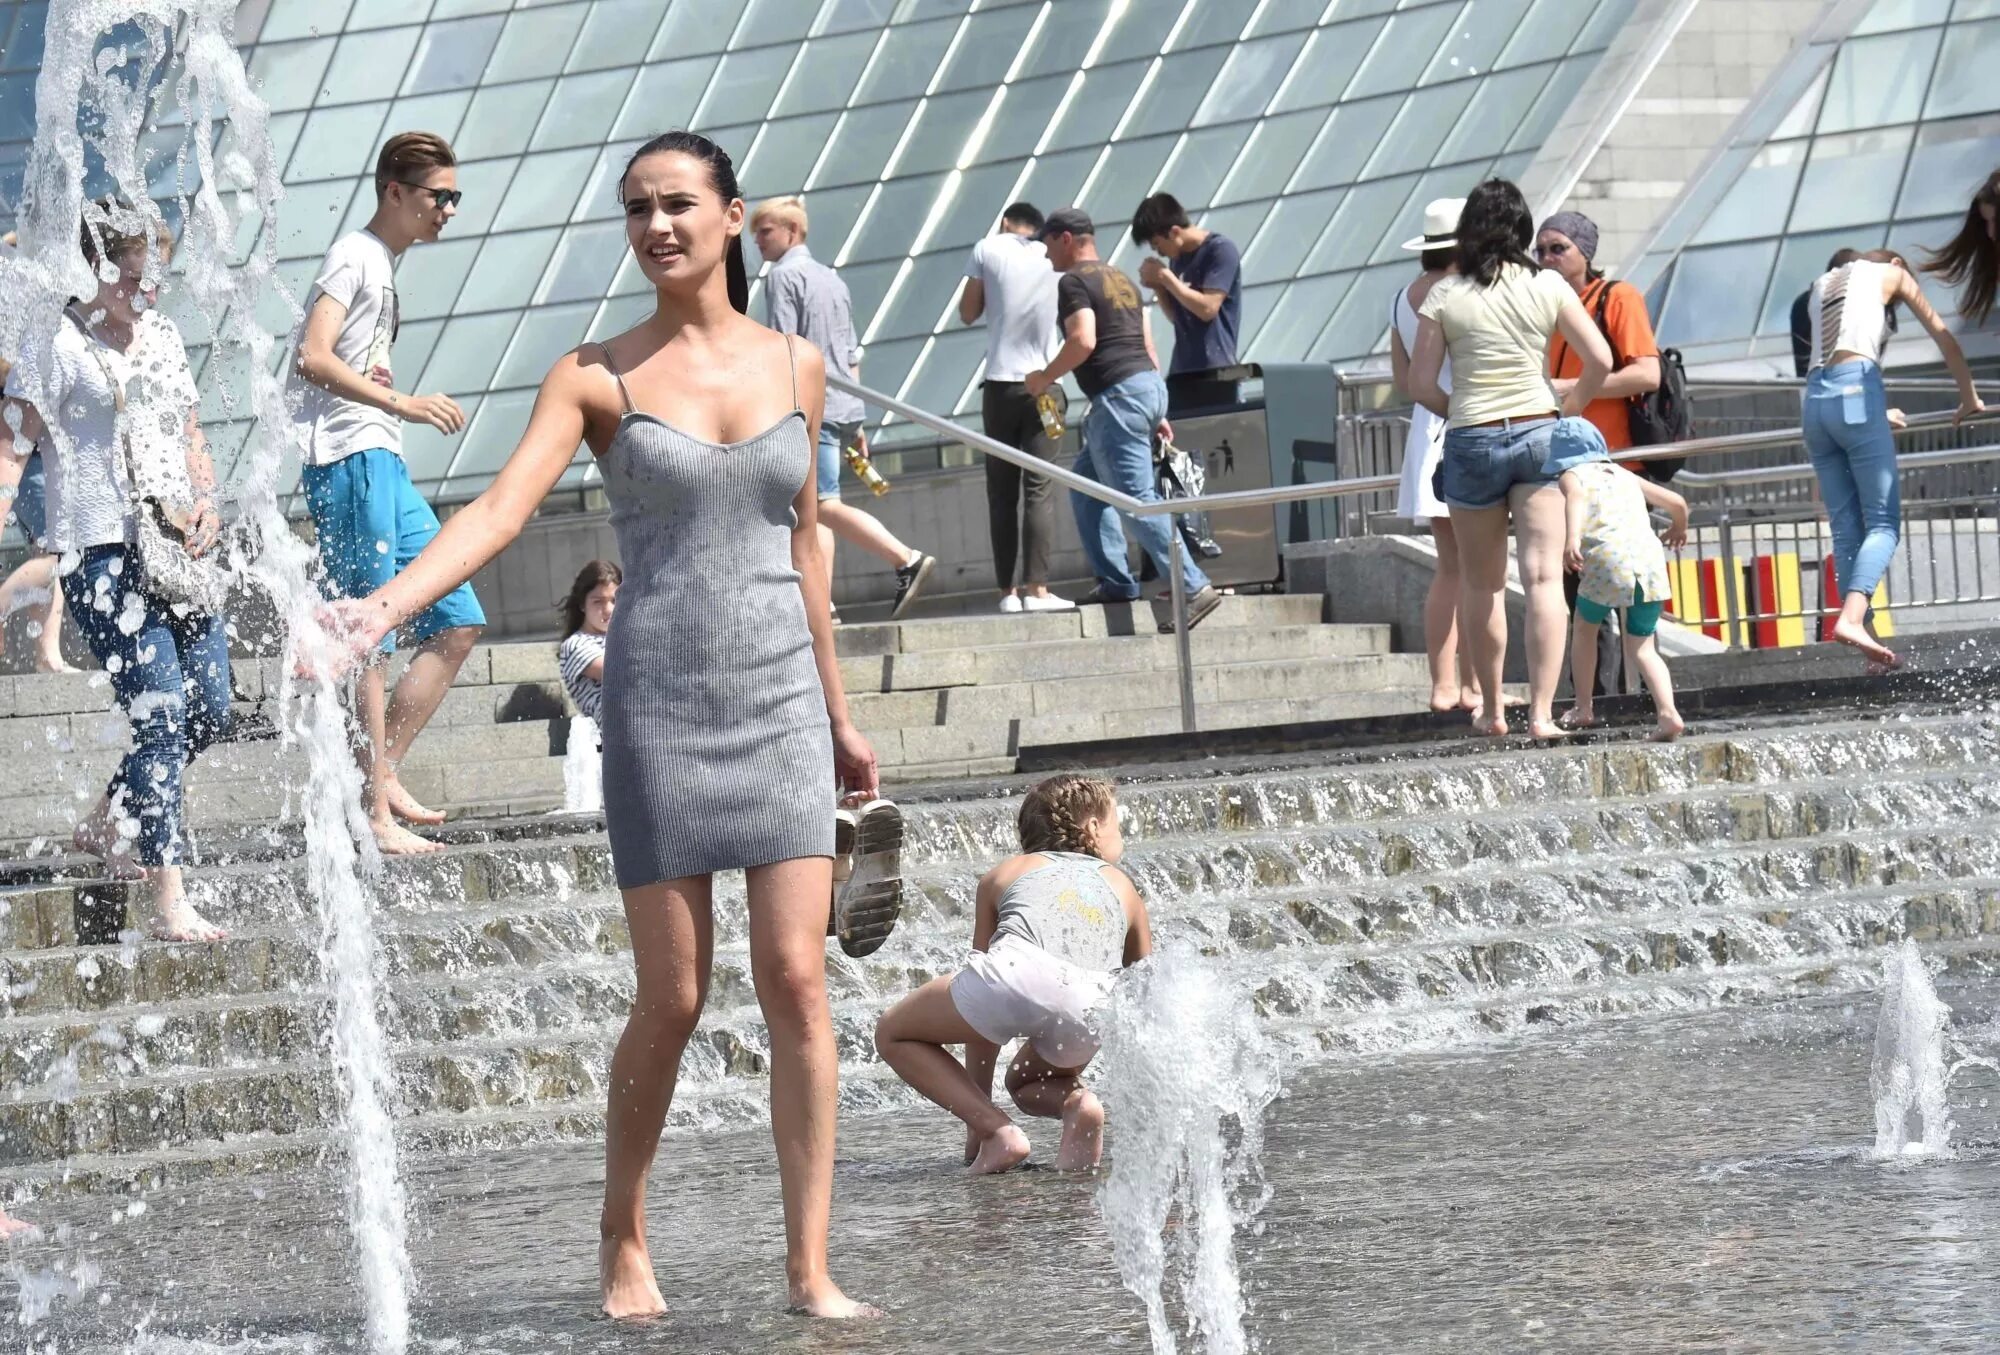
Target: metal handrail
x,y
1284,494
1767,475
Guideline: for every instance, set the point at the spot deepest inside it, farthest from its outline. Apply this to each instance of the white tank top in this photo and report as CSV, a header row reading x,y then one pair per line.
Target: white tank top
x,y
1848,314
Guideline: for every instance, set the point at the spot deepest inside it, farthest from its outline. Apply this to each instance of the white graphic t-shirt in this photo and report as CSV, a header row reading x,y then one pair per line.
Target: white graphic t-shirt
x,y
359,273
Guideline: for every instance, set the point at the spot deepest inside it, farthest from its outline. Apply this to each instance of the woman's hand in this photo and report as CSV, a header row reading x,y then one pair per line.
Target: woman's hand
x,y
350,630
853,760
204,527
1971,407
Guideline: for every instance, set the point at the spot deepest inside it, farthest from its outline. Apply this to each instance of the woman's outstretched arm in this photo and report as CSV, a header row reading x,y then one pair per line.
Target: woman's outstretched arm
x,y
484,527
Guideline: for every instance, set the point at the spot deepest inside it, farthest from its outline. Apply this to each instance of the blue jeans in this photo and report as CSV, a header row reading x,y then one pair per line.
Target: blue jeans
x,y
1118,452
1480,465
1846,422
371,523
170,673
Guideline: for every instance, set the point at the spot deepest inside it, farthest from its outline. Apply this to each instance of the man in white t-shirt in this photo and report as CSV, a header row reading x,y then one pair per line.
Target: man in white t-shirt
x,y
1009,282
370,520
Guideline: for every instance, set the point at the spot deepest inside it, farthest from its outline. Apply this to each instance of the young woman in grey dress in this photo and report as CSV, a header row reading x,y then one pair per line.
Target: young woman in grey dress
x,y
725,727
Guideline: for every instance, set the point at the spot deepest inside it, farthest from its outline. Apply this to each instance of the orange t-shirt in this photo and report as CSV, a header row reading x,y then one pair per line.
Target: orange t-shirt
x,y
1630,330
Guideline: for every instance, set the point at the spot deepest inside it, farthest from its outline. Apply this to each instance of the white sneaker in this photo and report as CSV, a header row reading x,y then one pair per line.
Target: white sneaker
x,y
1011,603
1047,603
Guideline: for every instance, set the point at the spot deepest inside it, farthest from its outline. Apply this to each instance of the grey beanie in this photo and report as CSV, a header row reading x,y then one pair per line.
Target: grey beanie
x,y
1579,228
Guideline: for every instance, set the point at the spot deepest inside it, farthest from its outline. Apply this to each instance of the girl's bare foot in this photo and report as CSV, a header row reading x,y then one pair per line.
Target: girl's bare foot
x,y
178,921
53,663
625,1275
405,806
98,836
1669,728
392,839
1491,723
1578,718
1858,637
1546,729
1003,1150
13,1227
822,1299
1083,1133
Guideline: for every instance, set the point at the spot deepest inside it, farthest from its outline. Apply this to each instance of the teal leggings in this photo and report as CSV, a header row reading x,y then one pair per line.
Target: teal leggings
x,y
1641,618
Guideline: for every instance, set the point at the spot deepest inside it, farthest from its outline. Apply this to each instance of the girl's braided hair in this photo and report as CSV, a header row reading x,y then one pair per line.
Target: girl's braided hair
x,y
1057,814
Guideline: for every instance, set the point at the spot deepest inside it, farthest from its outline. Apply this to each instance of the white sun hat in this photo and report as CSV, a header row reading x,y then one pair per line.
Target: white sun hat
x,y
1440,225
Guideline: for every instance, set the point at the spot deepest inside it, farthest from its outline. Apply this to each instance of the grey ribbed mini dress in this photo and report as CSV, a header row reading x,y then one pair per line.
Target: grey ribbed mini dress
x,y
717,749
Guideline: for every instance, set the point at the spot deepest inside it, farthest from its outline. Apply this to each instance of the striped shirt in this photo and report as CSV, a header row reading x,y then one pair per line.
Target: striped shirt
x,y
576,655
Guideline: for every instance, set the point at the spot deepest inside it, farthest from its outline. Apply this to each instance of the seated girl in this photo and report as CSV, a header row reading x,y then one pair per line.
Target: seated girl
x,y
1052,926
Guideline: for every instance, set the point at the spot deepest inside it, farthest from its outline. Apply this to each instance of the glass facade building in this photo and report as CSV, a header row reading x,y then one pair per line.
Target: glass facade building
x,y
1875,137
1310,131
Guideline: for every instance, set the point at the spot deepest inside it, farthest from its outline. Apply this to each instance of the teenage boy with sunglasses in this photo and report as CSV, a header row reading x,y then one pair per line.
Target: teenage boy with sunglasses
x,y
370,520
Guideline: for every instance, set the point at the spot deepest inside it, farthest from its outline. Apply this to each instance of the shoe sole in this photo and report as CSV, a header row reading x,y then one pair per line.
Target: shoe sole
x,y
868,903
916,586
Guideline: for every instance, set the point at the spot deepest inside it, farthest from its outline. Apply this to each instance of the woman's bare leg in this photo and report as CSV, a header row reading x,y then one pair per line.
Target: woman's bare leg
x,y
1539,527
673,946
1441,621
1482,562
788,968
33,587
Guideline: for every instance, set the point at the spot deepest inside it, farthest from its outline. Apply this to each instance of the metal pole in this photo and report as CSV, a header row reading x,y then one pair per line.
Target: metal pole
x,y
1183,639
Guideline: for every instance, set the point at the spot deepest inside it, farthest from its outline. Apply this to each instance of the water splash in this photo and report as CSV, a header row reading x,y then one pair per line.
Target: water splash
x,y
1186,1075
1913,1069
175,67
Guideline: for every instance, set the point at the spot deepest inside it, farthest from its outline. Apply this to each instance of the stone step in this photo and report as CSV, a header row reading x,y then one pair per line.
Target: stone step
x,y
516,1068
90,1014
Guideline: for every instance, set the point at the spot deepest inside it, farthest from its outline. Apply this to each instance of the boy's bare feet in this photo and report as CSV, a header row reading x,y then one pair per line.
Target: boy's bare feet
x,y
392,839
406,807
1003,1150
625,1275
822,1298
1856,635
1669,728
1083,1133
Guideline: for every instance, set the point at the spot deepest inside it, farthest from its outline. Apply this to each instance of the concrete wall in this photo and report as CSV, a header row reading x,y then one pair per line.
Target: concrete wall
x,y
1722,54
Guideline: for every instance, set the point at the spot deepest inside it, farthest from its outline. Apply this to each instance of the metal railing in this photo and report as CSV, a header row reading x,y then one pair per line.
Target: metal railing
x,y
1714,525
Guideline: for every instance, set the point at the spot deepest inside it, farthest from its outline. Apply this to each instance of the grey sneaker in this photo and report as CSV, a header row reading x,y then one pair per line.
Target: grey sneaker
x,y
910,581
1199,606
867,876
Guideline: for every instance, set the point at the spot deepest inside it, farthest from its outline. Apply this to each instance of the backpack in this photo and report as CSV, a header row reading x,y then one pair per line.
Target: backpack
x,y
1660,416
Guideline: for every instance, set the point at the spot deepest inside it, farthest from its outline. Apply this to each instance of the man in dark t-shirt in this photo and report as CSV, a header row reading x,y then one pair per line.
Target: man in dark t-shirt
x,y
1200,285
1108,344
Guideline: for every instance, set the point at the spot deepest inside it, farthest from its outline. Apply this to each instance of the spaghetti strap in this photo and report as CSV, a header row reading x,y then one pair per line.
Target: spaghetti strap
x,y
617,376
792,355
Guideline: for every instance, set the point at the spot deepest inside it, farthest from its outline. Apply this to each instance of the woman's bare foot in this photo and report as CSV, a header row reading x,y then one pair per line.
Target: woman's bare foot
x,y
1003,1150
1491,723
625,1275
1856,635
96,836
1082,1135
1670,727
392,839
822,1299
406,807
53,663
178,921
1546,729
1578,718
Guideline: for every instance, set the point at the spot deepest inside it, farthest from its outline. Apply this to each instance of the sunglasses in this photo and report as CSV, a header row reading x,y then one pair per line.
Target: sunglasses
x,y
1550,251
444,197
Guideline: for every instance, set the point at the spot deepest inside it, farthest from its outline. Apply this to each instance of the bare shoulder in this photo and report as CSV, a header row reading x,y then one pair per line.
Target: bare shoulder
x,y
1010,870
584,379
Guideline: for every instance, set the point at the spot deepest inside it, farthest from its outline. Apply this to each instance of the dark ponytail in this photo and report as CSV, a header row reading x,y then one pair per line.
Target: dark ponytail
x,y
1494,230
722,178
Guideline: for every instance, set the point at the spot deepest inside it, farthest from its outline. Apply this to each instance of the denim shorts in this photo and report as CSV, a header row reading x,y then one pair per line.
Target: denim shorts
x,y
1481,464
832,437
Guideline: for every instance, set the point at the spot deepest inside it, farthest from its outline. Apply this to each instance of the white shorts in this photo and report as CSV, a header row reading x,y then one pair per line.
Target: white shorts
x,y
1017,989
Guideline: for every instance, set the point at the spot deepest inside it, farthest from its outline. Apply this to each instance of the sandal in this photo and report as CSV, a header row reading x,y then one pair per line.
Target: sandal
x,y
867,876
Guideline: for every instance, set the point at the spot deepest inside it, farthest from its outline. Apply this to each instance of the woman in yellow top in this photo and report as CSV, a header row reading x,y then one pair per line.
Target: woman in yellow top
x,y
1494,317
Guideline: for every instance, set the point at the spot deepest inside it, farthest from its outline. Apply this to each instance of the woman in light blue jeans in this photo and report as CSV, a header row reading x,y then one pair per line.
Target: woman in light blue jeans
x,y
1849,428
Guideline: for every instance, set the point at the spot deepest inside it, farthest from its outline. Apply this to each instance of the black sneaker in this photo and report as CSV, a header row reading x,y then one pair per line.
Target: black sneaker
x,y
1199,606
910,580
1098,597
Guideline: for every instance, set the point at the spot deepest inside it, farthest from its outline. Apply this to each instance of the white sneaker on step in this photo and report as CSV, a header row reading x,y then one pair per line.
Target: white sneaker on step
x,y
1048,602
1011,603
